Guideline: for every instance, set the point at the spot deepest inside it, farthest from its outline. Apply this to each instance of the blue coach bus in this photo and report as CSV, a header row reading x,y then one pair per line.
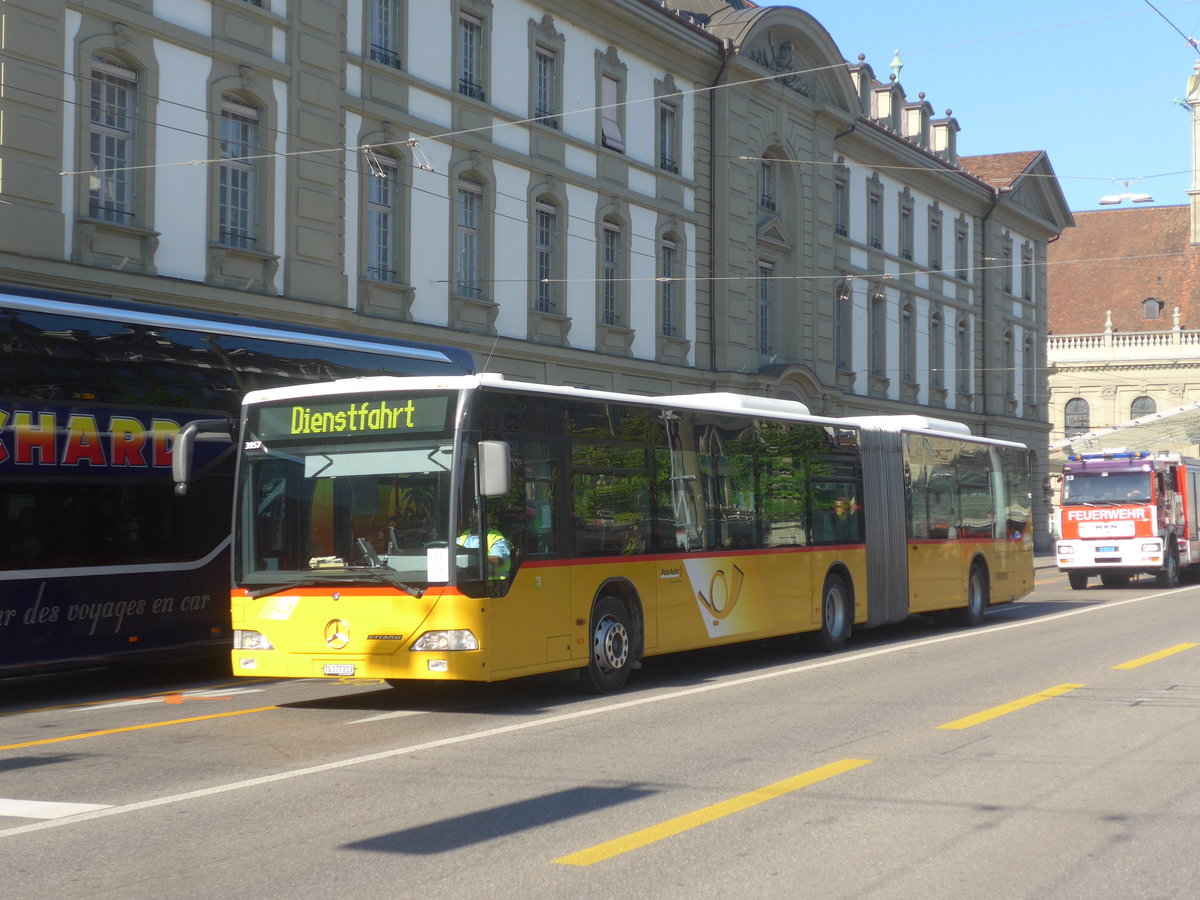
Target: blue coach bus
x,y
99,560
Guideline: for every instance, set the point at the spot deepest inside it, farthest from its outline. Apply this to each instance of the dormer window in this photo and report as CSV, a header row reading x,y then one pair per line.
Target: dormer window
x,y
1152,308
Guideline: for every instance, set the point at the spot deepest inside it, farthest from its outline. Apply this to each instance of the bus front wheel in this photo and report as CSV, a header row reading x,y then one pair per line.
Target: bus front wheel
x,y
1078,580
611,655
835,617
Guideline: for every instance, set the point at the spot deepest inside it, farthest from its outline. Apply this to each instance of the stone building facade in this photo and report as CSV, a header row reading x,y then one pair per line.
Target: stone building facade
x,y
627,195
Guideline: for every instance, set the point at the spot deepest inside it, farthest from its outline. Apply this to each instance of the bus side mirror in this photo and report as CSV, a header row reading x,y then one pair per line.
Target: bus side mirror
x,y
185,443
494,466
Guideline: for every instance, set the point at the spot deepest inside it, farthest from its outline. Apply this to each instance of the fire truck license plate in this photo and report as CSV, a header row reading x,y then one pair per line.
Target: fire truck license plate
x,y
339,669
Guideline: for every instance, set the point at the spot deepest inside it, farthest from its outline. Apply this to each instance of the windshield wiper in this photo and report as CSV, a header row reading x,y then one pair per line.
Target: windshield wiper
x,y
274,589
383,579
350,573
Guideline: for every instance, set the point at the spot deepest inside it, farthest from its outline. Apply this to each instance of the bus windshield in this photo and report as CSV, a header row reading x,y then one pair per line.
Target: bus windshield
x,y
356,491
1107,488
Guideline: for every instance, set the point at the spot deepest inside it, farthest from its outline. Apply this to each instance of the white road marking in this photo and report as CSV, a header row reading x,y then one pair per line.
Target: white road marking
x,y
392,715
42,809
839,660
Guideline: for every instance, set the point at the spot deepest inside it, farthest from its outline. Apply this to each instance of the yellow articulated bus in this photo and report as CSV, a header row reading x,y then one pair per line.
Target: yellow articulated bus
x,y
474,528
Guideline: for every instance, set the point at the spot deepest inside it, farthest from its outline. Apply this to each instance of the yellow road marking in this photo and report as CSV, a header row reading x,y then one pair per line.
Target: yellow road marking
x,y
1154,657
92,734
671,827
996,711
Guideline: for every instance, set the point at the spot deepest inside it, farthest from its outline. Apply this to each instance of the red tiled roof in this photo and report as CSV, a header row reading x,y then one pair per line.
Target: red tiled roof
x,y
1000,170
1113,259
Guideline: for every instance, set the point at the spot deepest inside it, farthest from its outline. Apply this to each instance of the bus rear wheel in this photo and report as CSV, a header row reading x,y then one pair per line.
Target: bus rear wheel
x,y
611,655
835,617
971,615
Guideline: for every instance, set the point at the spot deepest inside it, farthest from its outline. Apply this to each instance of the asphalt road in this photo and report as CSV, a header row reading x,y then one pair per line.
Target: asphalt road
x,y
1051,753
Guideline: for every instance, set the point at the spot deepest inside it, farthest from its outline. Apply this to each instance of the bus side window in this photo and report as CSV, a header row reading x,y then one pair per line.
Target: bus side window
x,y
526,513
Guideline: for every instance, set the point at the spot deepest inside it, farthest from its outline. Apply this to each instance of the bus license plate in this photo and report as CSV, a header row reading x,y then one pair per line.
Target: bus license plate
x,y
1106,549
338,669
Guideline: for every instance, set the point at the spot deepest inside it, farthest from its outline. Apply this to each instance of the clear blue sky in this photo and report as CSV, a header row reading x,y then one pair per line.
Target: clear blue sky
x,y
1091,82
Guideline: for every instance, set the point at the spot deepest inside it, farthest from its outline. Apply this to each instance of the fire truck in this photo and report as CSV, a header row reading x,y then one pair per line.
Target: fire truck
x,y
1125,512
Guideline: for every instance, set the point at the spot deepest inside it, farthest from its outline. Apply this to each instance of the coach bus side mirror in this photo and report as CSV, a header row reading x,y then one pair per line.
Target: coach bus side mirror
x,y
185,443
494,466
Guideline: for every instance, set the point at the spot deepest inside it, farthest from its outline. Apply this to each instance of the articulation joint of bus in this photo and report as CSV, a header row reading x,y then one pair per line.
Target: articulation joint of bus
x,y
1125,513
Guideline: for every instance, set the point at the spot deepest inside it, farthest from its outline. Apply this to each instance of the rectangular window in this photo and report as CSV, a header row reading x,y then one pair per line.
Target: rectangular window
x,y
908,345
960,253
1027,272
1006,267
470,200
610,273
935,245
839,208
843,324
545,224
385,37
906,234
878,338
610,114
470,49
667,125
113,95
381,219
766,289
667,291
545,87
236,175
875,222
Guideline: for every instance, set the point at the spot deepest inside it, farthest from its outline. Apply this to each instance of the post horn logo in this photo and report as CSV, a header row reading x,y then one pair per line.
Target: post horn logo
x,y
723,592
337,634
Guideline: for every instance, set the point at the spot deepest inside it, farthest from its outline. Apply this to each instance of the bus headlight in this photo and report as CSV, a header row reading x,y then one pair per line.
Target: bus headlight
x,y
1152,547
251,640
446,640
1065,550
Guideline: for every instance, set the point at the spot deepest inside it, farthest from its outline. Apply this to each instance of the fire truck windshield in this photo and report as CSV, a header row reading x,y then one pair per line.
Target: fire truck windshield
x,y
1106,488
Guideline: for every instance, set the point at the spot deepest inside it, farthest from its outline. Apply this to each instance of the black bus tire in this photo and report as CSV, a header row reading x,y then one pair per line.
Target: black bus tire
x,y
836,617
971,615
610,656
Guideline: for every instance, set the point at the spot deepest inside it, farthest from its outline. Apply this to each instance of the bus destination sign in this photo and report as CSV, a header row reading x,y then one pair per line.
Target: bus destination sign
x,y
354,416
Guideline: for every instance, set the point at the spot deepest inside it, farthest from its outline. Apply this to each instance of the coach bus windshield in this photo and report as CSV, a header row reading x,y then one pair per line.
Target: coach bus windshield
x,y
354,489
1106,488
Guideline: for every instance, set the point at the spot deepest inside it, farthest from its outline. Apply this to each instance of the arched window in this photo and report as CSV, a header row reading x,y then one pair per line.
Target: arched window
x,y
670,294
962,359
937,351
612,281
547,260
468,225
1078,417
382,219
1152,308
908,343
1142,406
